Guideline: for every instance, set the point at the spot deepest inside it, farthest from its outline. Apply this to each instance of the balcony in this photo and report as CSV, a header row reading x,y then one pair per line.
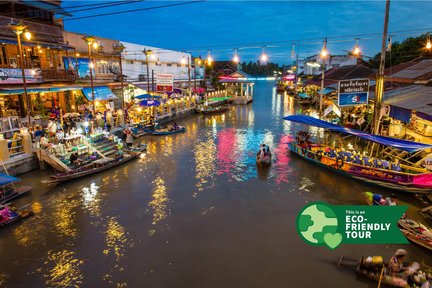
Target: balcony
x,y
54,75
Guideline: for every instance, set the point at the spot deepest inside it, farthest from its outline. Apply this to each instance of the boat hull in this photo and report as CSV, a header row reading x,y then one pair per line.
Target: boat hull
x,y
162,133
69,176
375,176
17,192
265,161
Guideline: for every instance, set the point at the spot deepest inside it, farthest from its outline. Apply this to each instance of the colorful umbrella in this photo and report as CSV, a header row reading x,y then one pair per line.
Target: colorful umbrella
x,y
147,96
148,103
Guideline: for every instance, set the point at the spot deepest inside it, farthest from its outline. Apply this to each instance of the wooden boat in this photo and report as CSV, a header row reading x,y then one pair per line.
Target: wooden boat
x,y
416,232
8,190
141,130
136,148
263,161
17,216
374,268
368,169
91,168
208,110
166,131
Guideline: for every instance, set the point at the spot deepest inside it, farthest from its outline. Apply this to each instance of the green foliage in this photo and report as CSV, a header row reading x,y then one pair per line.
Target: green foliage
x,y
404,51
256,69
79,100
38,105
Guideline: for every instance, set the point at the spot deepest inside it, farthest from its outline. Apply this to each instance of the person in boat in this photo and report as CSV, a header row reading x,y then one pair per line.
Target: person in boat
x,y
176,126
38,133
5,213
129,137
396,263
390,201
74,159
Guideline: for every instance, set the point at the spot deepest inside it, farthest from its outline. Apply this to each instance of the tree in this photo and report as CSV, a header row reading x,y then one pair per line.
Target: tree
x,y
404,51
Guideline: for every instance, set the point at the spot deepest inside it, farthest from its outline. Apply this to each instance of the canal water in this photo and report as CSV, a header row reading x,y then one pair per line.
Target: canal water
x,y
193,211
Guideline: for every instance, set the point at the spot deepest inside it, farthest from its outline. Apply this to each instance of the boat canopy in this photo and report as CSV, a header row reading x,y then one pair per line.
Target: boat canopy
x,y
6,179
404,145
304,95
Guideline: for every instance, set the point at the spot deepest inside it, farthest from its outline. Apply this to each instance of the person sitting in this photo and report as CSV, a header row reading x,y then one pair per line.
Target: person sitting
x,y
176,126
44,142
38,133
391,201
4,213
74,159
396,265
267,150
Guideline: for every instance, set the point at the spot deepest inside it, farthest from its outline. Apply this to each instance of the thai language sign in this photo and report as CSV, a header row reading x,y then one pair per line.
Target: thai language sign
x,y
164,83
14,76
332,225
353,92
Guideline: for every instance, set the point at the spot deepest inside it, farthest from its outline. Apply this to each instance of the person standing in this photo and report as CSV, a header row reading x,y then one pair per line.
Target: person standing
x,y
129,137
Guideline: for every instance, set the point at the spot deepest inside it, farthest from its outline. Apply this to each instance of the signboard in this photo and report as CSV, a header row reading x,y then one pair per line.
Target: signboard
x,y
353,92
164,82
14,76
427,162
83,65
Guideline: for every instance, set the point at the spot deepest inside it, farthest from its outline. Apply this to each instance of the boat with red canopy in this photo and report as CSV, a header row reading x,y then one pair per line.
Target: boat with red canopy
x,y
389,162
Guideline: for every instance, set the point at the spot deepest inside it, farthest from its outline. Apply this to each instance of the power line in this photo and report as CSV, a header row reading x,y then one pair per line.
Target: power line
x,y
108,5
135,10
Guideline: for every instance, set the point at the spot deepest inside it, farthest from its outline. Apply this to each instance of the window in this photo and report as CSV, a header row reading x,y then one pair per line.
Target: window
x,y
3,56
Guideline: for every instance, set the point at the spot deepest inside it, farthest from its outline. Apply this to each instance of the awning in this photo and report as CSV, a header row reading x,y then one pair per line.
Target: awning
x,y
6,179
30,90
387,141
401,114
325,91
304,95
101,93
35,44
56,9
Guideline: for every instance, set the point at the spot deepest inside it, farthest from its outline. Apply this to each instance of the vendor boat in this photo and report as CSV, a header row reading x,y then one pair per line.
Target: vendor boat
x,y
8,190
374,268
136,148
141,130
166,131
208,110
96,166
382,172
14,216
416,232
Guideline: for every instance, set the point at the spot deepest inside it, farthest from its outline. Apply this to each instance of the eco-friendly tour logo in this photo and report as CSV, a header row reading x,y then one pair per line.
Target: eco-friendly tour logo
x,y
331,225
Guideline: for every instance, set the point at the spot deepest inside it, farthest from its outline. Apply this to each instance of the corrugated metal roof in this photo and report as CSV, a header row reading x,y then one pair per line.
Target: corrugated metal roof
x,y
413,97
415,71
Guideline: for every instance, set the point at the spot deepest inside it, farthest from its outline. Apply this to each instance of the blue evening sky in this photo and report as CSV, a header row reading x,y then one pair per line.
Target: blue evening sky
x,y
248,25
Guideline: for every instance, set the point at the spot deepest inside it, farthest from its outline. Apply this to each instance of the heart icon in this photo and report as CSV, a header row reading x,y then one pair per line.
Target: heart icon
x,y
332,240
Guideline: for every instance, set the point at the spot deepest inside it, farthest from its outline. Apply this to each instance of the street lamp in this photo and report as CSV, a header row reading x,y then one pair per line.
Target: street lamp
x,y
118,48
90,40
19,29
428,41
236,58
324,54
147,53
197,61
356,52
264,56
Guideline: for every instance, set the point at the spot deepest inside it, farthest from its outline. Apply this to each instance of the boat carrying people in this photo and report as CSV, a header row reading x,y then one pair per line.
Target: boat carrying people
x,y
8,190
388,162
263,157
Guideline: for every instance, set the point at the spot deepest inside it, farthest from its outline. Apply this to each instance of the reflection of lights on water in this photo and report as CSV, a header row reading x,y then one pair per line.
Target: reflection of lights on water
x,y
66,271
116,239
205,156
251,118
63,216
36,207
142,155
268,138
91,199
159,200
3,279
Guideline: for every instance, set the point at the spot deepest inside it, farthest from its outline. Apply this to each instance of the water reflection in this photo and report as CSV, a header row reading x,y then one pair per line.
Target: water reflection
x,y
159,202
205,156
66,270
64,215
116,239
91,199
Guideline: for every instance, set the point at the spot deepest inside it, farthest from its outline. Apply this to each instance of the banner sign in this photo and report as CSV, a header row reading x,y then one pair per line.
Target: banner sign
x,y
14,76
83,65
164,82
353,92
331,225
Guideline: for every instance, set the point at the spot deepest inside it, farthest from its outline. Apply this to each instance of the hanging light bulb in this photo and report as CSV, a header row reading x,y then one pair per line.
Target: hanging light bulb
x,y
428,41
95,45
264,56
236,58
293,54
209,58
27,35
183,60
390,43
356,51
324,51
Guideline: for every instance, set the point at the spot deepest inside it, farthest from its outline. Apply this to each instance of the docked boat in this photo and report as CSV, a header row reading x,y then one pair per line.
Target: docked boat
x,y
13,216
96,166
416,232
8,190
167,131
208,110
398,175
141,130
137,148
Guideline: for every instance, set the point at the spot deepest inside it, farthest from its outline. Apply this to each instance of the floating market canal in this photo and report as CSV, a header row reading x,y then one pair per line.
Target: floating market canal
x,y
193,211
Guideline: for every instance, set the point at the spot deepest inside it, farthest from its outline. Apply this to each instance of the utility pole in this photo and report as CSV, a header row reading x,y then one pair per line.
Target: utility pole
x,y
379,88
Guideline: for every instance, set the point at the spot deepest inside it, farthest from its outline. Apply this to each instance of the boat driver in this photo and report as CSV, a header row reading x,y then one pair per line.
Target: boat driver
x,y
396,265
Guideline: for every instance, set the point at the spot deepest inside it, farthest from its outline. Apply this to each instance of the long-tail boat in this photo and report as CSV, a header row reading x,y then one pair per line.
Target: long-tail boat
x,y
388,167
